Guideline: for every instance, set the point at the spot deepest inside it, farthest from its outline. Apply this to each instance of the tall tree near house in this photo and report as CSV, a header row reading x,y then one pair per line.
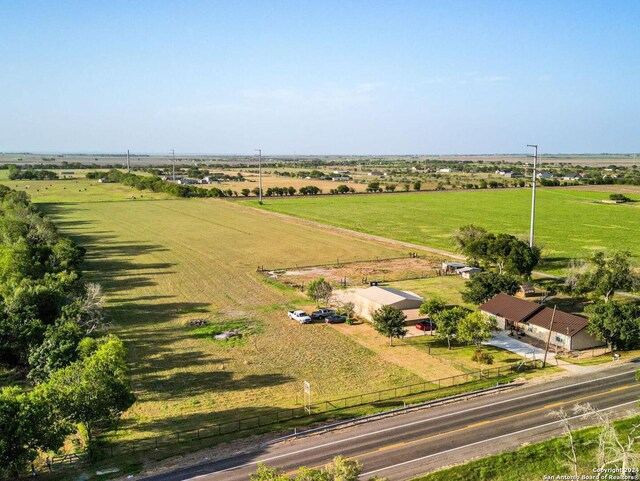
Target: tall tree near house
x,y
482,287
447,322
433,306
474,328
319,290
468,234
389,321
606,275
616,324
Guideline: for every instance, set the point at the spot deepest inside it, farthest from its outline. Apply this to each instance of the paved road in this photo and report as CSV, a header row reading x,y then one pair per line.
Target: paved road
x,y
407,445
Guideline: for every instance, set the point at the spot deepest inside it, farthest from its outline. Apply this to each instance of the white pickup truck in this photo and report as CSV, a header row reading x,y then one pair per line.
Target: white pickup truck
x,y
300,316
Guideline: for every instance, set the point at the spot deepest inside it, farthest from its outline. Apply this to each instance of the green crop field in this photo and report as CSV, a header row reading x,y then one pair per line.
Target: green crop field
x,y
569,223
163,263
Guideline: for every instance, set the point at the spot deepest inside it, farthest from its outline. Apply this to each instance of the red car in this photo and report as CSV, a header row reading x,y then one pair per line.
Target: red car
x,y
426,325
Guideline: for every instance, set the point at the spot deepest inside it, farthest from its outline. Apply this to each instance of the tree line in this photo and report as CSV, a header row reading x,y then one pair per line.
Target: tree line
x,y
51,326
16,173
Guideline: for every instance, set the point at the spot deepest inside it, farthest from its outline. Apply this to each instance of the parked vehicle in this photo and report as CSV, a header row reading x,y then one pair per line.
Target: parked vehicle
x,y
426,325
300,316
322,313
335,319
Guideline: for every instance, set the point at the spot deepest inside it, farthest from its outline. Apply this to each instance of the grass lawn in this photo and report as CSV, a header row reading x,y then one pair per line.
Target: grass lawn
x,y
163,263
535,461
447,287
569,223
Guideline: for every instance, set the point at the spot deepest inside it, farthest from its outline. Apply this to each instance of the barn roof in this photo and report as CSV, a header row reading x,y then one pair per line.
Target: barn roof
x,y
388,295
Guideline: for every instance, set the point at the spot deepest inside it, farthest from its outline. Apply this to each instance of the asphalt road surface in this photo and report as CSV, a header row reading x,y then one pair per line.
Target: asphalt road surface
x,y
404,446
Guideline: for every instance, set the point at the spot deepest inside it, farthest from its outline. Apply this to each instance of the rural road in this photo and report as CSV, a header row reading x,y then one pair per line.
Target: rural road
x,y
407,445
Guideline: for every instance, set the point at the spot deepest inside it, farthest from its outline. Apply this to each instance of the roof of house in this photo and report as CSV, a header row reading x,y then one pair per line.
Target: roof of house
x,y
563,322
509,307
388,295
519,310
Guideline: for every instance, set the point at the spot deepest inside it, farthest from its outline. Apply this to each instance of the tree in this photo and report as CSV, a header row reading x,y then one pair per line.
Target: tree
x,y
467,234
417,185
374,187
256,191
245,192
508,253
93,391
447,322
28,424
389,321
481,357
483,286
616,324
606,275
433,306
319,290
474,328
59,349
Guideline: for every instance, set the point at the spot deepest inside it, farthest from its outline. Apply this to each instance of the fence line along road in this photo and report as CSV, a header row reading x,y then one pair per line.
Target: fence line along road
x,y
109,449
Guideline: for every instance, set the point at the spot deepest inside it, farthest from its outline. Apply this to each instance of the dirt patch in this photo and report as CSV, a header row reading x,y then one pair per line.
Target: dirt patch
x,y
360,273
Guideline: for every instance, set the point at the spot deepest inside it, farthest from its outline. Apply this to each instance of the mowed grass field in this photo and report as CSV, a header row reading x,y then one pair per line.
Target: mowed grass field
x,y
569,223
165,262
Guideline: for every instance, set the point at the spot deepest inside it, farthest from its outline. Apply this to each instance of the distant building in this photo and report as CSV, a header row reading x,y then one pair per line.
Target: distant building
x,y
571,176
187,181
451,267
446,171
104,181
67,172
468,272
376,173
342,178
544,175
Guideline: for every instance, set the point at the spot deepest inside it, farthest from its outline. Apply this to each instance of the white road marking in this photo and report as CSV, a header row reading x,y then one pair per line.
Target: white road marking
x,y
393,428
492,439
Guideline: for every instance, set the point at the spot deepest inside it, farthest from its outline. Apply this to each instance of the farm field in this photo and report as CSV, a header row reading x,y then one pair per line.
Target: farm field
x,y
569,223
78,189
164,263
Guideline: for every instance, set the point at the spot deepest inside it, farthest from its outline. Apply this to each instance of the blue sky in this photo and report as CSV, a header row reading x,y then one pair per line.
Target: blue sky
x,y
343,77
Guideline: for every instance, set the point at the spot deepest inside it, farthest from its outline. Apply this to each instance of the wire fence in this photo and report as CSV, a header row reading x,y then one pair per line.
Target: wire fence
x,y
339,263
106,449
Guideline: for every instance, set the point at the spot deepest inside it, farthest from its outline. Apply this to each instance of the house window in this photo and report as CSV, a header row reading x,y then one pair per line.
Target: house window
x,y
560,338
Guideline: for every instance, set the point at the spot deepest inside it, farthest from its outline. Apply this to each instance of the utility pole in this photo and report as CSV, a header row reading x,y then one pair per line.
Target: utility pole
x,y
533,194
260,173
173,154
553,316
128,163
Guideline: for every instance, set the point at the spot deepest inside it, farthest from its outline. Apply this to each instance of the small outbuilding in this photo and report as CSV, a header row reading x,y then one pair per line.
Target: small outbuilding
x,y
452,267
468,272
527,289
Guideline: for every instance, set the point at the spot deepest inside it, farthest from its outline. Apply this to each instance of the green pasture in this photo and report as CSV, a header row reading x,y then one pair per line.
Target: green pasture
x,y
569,223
